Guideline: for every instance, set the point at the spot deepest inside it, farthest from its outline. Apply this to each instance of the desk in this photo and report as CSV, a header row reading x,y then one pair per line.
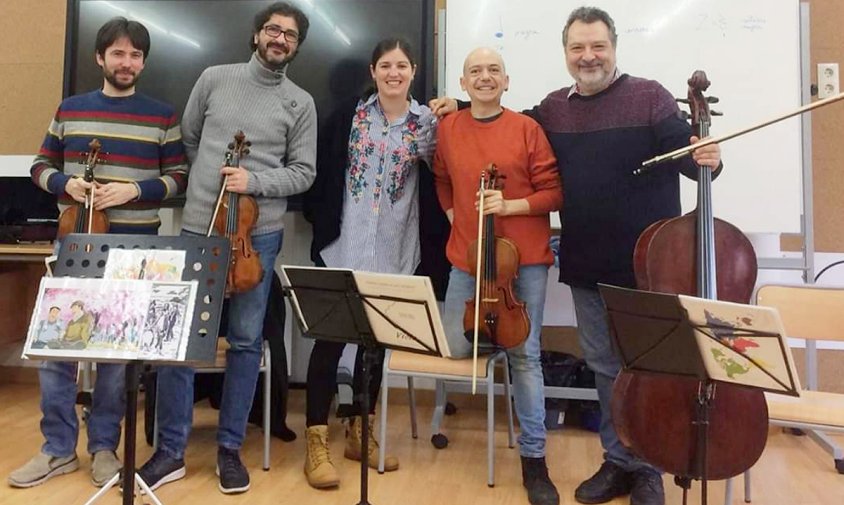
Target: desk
x,y
21,269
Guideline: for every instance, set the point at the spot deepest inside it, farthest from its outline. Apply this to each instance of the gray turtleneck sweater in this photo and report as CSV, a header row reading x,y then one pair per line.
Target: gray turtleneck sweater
x,y
277,117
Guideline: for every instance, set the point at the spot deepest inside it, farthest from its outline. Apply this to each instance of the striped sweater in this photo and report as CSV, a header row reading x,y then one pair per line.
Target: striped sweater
x,y
141,143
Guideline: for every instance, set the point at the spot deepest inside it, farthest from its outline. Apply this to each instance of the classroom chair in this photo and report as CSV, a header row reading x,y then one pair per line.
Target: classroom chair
x,y
444,371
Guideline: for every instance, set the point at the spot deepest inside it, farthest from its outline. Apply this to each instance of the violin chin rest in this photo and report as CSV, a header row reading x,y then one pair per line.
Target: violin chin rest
x,y
483,338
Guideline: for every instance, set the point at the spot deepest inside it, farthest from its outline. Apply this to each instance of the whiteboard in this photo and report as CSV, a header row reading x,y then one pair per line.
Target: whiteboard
x,y
750,50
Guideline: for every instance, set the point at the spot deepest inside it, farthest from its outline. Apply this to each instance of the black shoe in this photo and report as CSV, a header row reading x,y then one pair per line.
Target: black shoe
x,y
647,488
233,475
609,482
541,490
161,469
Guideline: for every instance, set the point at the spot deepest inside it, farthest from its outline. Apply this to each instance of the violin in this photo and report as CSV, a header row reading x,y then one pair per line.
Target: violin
x,y
494,314
235,222
658,416
82,217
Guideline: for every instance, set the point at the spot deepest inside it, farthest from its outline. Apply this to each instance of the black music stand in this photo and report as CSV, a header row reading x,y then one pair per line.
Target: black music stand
x,y
330,305
206,261
694,337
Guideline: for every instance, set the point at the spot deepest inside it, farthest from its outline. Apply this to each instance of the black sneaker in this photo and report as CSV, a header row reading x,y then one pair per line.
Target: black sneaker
x,y
647,488
233,475
609,482
161,469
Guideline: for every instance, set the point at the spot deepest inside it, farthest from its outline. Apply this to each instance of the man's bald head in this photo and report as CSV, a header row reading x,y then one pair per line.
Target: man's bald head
x,y
483,54
484,78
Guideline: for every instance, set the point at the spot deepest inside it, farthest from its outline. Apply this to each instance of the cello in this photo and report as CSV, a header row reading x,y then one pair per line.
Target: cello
x,y
691,428
494,314
82,217
236,223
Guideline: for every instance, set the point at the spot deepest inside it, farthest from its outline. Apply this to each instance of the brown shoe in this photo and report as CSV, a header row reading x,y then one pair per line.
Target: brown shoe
x,y
319,469
353,445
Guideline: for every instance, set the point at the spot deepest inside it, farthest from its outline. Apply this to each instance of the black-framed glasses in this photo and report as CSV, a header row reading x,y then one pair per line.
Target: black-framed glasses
x,y
276,31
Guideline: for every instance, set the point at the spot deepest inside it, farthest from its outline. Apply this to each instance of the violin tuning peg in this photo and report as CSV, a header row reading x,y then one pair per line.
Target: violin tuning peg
x,y
715,113
685,115
248,143
682,100
712,99
231,145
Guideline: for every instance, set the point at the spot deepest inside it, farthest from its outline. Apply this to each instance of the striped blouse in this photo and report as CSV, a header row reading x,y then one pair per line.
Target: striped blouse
x,y
380,224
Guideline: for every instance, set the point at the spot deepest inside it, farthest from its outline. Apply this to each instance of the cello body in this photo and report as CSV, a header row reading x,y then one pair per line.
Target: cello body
x,y
664,261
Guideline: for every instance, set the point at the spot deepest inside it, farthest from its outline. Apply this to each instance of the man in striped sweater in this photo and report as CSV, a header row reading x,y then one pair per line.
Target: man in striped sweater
x,y
143,162
279,119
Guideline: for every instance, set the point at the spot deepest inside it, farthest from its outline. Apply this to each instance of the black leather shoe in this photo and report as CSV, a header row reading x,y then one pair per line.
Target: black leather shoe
x,y
647,488
609,482
541,490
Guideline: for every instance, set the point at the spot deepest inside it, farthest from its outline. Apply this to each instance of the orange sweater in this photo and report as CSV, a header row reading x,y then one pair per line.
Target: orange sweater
x,y
520,150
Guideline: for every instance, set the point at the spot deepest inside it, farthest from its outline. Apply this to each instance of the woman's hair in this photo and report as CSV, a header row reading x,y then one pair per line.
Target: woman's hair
x,y
388,44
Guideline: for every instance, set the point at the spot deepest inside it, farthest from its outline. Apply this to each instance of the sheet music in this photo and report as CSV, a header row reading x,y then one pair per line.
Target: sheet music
x,y
386,314
742,344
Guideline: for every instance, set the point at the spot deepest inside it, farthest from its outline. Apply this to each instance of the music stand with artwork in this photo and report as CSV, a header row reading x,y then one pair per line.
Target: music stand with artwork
x,y
370,310
206,264
708,340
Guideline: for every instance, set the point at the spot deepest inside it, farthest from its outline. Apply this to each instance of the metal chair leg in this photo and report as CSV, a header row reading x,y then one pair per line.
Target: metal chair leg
x,y
411,397
268,367
490,422
508,400
747,486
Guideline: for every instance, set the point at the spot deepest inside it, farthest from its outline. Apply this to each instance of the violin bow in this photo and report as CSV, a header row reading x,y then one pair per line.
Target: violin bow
x,y
478,283
684,151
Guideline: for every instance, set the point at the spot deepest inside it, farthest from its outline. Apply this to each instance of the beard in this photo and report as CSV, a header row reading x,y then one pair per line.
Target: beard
x,y
592,76
111,77
273,62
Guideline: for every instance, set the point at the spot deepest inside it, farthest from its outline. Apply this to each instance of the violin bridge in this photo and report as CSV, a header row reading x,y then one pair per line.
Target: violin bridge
x,y
489,300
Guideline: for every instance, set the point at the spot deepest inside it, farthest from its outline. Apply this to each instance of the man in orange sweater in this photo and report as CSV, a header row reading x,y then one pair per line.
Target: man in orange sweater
x,y
467,143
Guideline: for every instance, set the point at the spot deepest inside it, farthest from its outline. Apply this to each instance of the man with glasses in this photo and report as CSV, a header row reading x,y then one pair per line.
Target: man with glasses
x,y
279,119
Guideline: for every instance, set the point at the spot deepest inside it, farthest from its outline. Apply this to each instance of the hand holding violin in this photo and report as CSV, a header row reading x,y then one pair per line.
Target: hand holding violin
x,y
77,188
495,203
706,156
238,179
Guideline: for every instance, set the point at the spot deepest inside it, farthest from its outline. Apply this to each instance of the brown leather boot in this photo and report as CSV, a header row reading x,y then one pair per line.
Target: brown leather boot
x,y
353,445
319,469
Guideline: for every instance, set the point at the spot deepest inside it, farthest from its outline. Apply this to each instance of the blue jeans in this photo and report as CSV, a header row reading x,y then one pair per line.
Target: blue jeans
x,y
525,367
598,351
57,380
59,423
244,334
